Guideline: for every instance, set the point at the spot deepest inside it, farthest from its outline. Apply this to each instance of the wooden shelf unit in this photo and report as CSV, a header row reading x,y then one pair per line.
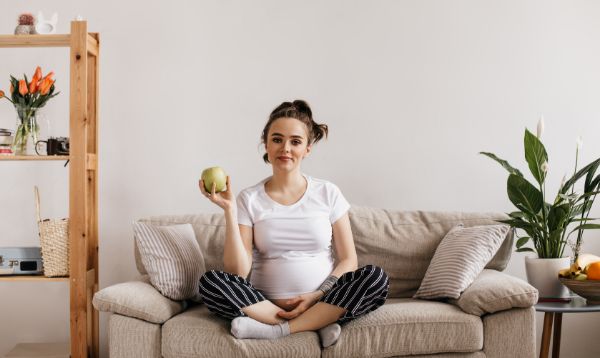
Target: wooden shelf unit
x,y
83,180
34,157
30,278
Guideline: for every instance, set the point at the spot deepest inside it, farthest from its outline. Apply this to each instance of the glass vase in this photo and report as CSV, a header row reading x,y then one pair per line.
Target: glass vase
x,y
28,130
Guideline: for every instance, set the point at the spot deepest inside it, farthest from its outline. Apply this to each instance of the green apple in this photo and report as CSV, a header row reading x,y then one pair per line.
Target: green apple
x,y
214,175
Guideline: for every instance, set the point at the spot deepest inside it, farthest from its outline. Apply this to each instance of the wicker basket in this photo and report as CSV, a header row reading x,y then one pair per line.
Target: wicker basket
x,y
54,239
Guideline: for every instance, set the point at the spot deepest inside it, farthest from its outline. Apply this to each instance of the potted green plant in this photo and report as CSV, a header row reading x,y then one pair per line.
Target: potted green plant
x,y
549,226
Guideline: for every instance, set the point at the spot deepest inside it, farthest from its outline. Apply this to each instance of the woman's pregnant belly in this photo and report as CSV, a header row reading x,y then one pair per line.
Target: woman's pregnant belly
x,y
284,278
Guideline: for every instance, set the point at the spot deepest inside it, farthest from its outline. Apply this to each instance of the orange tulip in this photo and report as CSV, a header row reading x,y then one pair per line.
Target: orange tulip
x,y
1,93
23,87
38,74
49,75
43,83
45,86
33,87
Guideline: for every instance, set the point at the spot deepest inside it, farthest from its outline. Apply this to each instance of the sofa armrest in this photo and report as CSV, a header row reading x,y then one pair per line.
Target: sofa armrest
x,y
494,291
137,299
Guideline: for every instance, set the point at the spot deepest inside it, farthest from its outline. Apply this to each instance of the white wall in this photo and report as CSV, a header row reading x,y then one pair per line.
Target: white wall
x,y
411,90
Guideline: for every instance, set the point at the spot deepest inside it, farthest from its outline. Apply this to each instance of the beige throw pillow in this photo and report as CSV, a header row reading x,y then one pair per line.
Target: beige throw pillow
x,y
459,259
494,291
172,258
139,300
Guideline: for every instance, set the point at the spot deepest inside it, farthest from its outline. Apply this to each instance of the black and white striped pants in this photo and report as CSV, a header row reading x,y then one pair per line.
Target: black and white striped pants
x,y
359,292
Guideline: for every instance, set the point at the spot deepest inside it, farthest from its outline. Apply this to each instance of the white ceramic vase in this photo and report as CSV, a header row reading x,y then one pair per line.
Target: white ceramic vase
x,y
543,275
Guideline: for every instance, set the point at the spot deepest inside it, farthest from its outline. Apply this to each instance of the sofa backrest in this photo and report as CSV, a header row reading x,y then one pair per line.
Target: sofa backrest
x,y
401,242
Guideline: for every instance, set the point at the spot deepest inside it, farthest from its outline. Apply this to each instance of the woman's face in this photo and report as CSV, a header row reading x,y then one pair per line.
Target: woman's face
x,y
287,144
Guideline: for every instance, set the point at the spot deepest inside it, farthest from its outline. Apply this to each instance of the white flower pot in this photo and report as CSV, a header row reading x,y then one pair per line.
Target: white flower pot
x,y
543,275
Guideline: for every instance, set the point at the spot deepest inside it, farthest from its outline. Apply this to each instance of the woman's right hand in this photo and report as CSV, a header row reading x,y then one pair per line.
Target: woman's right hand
x,y
225,199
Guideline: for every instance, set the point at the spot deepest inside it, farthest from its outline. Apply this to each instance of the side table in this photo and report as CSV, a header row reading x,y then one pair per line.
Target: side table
x,y
553,312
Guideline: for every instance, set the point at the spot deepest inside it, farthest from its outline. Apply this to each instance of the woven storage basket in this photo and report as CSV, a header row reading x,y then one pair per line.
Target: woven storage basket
x,y
54,239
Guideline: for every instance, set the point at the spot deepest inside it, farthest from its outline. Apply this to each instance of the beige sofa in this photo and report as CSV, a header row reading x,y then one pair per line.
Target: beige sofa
x,y
493,317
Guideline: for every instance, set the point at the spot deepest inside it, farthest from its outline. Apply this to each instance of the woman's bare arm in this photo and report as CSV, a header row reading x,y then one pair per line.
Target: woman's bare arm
x,y
237,255
343,243
237,252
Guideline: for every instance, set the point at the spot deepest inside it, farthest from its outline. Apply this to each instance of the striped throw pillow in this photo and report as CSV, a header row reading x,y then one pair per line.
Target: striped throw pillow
x,y
172,258
459,259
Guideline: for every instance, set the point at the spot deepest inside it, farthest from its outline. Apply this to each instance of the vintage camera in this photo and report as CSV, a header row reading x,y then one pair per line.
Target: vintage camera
x,y
54,146
58,146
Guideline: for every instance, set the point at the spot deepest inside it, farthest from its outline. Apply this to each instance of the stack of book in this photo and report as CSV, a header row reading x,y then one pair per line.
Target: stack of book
x,y
6,139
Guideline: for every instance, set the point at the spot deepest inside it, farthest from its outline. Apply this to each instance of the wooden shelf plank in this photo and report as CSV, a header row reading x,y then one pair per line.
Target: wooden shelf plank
x,y
63,40
34,157
38,278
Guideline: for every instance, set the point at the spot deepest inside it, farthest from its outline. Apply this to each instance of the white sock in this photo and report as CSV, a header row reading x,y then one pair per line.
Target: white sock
x,y
246,327
330,334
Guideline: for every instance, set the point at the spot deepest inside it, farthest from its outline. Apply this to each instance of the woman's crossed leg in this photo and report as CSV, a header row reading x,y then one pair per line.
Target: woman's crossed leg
x,y
233,297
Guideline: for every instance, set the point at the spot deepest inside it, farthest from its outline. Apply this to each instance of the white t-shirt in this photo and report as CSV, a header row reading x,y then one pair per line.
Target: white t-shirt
x,y
292,243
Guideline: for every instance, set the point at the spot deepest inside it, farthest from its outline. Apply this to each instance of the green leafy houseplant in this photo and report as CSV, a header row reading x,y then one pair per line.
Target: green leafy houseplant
x,y
549,225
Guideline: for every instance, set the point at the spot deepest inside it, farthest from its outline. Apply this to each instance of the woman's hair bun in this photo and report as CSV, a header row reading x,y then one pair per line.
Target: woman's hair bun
x,y
303,107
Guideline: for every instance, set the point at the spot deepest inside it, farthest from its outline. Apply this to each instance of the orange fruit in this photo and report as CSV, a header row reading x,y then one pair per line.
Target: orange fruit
x,y
593,271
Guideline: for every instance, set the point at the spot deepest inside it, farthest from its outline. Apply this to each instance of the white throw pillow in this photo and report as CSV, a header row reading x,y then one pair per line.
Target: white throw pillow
x,y
459,259
172,258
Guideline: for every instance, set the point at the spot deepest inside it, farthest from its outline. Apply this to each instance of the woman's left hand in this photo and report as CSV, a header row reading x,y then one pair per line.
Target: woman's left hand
x,y
302,302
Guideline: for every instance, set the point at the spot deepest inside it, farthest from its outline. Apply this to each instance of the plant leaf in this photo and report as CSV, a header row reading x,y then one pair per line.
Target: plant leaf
x,y
524,195
577,176
569,197
530,228
536,155
516,223
557,216
586,195
586,227
525,249
595,182
516,215
504,163
590,177
522,241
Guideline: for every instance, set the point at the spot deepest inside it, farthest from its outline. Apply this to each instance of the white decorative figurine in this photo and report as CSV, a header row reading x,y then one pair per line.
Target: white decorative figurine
x,y
43,26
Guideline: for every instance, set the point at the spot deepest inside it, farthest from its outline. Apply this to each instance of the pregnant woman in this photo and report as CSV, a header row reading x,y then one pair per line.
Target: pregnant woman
x,y
289,257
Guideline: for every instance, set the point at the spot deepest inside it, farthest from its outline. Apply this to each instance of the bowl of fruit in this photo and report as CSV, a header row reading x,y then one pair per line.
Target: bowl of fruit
x,y
583,278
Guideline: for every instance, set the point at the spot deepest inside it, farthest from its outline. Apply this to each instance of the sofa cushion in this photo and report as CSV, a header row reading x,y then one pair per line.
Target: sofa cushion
x,y
403,243
459,259
494,291
137,299
172,258
409,327
199,333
